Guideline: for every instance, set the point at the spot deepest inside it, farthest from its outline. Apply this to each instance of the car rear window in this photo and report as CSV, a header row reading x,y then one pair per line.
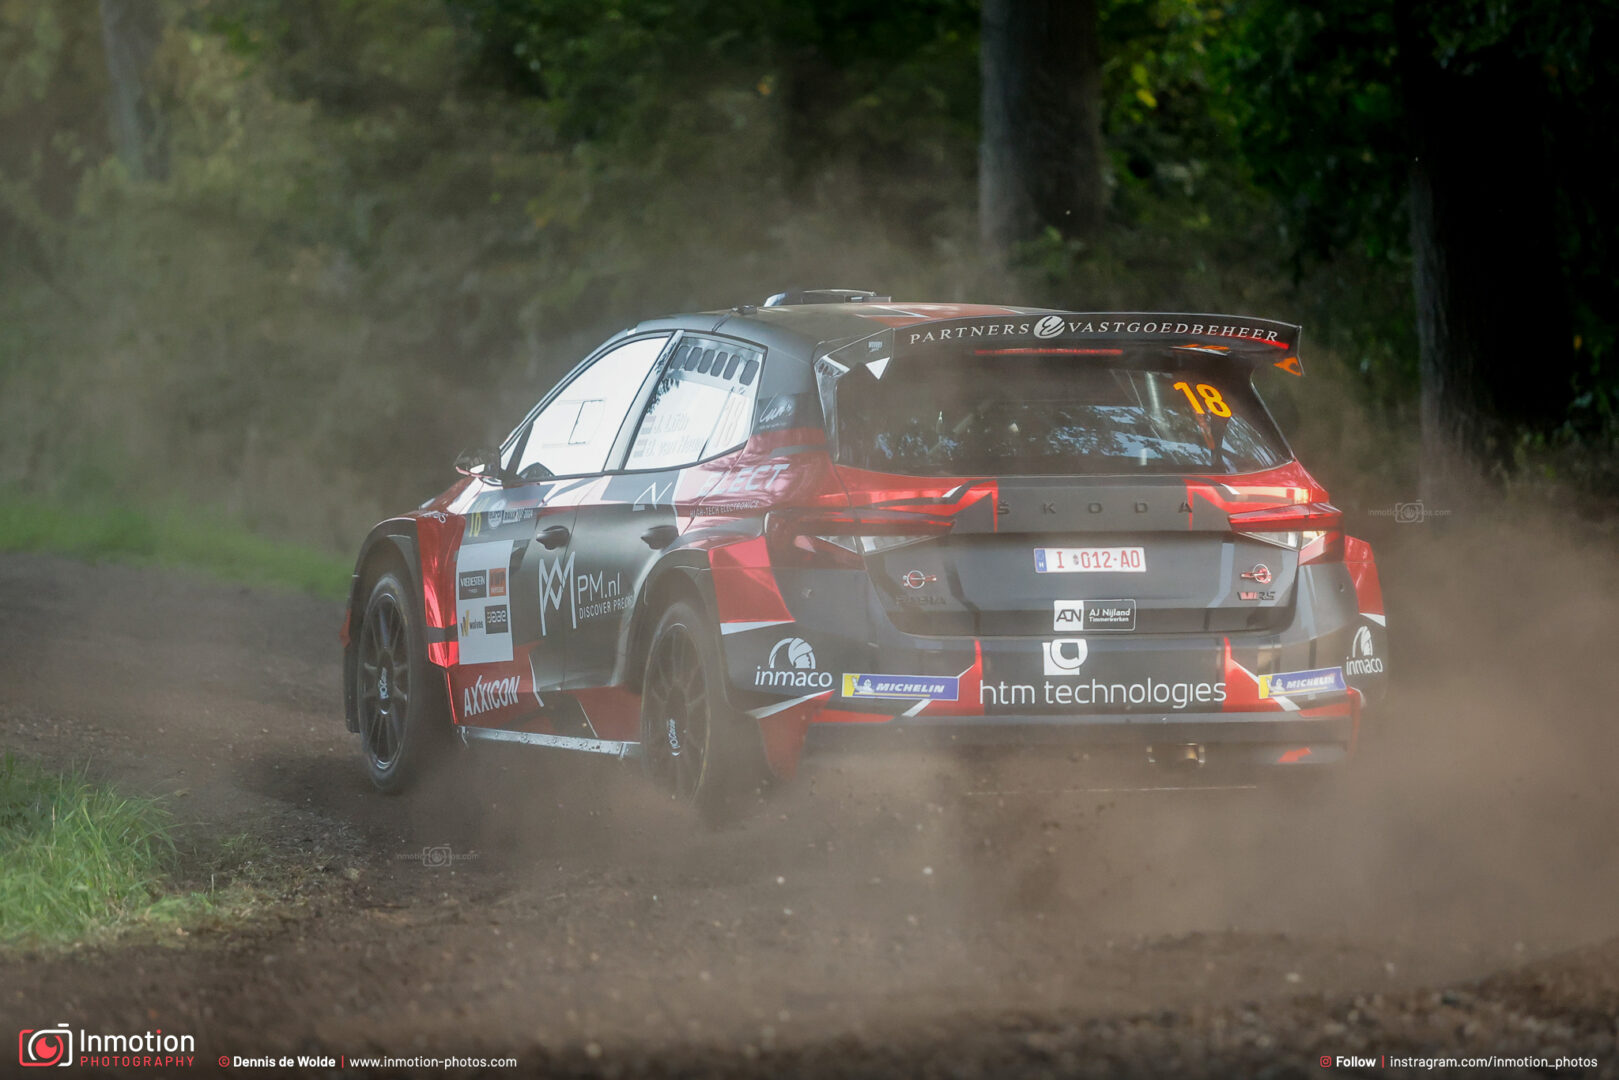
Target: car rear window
x,y
1052,415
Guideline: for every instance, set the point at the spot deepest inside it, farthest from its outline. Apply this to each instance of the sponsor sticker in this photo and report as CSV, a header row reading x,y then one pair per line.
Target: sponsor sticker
x,y
912,687
485,628
1110,615
792,664
473,584
487,695
1068,614
1302,683
1064,656
1362,659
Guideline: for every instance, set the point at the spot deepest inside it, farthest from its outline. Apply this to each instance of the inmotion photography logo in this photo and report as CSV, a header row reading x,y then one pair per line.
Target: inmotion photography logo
x,y
437,856
47,1047
43,1047
1410,513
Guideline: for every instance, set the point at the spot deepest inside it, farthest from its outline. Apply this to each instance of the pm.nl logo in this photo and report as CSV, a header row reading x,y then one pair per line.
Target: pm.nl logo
x,y
40,1047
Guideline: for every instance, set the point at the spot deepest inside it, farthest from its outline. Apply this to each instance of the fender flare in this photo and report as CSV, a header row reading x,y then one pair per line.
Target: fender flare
x,y
683,572
397,535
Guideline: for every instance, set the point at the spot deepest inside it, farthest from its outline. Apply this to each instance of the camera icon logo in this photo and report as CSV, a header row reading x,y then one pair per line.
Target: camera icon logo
x,y
1407,513
44,1047
438,856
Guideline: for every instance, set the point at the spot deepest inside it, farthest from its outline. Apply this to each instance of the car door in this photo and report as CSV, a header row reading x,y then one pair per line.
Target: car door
x,y
699,407
516,593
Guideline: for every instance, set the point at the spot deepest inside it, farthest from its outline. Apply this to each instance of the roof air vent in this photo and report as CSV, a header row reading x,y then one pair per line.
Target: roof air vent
x,y
826,296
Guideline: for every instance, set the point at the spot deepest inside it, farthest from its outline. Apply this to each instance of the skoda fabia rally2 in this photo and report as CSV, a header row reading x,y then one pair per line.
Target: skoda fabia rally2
x,y
728,539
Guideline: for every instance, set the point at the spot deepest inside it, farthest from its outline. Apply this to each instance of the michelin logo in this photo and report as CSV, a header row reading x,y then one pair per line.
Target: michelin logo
x,y
913,687
1302,683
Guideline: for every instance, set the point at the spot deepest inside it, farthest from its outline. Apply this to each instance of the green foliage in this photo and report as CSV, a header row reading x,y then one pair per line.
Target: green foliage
x,y
101,529
377,212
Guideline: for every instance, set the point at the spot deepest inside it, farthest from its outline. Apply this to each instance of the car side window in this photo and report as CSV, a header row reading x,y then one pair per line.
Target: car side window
x,y
702,405
575,432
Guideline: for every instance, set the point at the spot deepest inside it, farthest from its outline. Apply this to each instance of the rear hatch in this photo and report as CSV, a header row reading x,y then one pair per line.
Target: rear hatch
x,y
1095,489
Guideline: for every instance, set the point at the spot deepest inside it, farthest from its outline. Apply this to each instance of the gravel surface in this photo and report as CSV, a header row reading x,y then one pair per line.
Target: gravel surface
x,y
1455,896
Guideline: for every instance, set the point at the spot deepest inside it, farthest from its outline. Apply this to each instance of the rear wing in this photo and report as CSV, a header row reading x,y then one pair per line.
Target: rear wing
x,y
1241,338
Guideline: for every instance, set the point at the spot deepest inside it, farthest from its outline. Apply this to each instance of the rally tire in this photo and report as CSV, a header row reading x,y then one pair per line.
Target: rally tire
x,y
695,746
399,695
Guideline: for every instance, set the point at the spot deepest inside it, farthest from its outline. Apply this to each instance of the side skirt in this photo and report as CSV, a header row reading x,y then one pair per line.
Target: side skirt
x,y
610,747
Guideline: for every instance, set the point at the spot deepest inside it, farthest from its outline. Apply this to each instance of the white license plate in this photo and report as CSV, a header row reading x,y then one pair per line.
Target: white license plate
x,y
1090,560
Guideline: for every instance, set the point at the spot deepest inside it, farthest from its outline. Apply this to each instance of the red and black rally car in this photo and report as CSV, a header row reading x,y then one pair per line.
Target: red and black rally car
x,y
730,537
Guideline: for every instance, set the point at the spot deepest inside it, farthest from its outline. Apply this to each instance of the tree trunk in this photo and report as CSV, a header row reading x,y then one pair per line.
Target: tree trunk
x,y
130,32
1493,319
1040,162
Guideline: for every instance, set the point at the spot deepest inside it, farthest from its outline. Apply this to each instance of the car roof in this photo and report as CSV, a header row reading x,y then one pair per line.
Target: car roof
x,y
813,324
801,329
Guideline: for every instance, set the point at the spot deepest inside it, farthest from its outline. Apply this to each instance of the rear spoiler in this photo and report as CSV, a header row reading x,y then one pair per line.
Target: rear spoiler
x,y
1242,338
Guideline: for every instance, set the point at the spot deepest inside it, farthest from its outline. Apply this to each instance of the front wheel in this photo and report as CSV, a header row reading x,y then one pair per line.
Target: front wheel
x,y
403,719
695,746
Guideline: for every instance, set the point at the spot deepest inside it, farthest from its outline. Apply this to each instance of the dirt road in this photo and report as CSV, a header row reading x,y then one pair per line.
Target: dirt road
x,y
1458,896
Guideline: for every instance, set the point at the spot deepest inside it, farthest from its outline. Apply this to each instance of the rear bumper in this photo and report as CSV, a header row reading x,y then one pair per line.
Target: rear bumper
x,y
1236,738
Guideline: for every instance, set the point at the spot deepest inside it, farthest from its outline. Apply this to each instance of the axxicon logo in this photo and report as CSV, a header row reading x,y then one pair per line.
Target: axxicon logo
x,y
486,695
43,1047
792,663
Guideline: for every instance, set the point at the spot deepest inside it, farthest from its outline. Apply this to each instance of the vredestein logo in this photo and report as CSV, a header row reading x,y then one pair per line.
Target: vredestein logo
x,y
482,696
792,664
1361,661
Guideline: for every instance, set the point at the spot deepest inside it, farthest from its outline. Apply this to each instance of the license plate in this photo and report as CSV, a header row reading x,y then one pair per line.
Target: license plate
x,y
1090,560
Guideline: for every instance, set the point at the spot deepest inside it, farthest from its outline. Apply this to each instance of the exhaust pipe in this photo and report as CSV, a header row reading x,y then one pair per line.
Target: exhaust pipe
x,y
1184,755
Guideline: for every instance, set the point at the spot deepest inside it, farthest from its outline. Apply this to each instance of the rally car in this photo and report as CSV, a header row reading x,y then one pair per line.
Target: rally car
x,y
728,539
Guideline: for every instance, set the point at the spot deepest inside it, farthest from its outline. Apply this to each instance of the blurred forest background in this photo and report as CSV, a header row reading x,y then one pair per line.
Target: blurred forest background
x,y
278,260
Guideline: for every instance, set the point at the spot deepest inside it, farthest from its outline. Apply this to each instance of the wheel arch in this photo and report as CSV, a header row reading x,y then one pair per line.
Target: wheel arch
x,y
391,542
685,576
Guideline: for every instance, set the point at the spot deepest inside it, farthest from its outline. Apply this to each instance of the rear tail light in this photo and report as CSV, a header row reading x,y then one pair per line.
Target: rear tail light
x,y
1314,530
843,538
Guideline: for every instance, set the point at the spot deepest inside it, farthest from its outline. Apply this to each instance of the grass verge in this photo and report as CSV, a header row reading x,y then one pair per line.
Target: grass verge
x,y
81,862
78,859
167,538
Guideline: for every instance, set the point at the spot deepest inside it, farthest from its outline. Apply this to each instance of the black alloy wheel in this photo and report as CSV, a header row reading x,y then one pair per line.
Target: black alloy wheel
x,y
400,713
695,746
